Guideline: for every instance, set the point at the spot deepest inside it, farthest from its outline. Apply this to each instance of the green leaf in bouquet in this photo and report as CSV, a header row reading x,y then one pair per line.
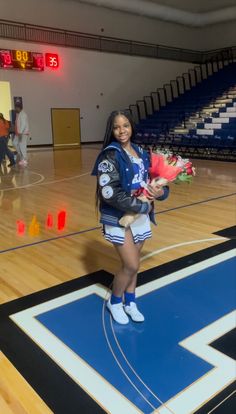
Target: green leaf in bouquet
x,y
183,178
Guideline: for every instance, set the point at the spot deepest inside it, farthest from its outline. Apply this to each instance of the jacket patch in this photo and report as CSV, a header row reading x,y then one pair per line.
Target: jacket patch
x,y
107,192
104,179
105,166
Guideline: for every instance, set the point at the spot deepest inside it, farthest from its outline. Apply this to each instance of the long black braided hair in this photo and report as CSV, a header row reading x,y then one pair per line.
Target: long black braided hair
x,y
109,137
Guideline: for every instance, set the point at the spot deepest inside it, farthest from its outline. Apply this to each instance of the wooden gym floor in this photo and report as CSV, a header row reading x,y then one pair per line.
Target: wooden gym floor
x,y
39,255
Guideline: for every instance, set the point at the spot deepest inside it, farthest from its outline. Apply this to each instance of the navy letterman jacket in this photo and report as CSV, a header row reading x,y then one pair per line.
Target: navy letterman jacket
x,y
114,172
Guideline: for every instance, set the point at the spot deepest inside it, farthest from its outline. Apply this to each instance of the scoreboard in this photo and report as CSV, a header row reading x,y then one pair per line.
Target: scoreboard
x,y
21,59
25,60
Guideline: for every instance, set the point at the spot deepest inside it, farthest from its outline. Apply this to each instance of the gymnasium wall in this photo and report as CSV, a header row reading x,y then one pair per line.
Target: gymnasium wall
x,y
73,15
221,35
85,80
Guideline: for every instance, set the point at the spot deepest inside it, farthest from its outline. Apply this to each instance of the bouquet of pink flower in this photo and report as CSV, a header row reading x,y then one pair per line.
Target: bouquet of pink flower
x,y
165,167
170,167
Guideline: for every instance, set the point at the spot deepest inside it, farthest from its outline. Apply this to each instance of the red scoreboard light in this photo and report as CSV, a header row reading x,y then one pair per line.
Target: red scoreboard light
x,y
52,60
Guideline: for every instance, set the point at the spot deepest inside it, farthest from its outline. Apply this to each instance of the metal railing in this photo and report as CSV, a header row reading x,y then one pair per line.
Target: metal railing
x,y
67,38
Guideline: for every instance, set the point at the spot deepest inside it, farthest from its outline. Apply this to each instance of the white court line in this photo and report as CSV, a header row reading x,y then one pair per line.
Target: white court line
x,y
126,360
165,408
65,179
93,383
42,178
115,358
39,183
173,246
225,399
135,372
221,375
117,342
107,396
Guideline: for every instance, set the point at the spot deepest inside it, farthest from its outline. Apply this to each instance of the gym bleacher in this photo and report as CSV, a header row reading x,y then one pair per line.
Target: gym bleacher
x,y
195,114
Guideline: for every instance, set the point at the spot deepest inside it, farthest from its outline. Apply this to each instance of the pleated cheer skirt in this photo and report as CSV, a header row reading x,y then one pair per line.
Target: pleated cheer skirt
x,y
140,228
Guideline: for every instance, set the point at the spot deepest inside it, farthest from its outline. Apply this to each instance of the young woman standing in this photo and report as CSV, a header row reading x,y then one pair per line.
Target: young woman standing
x,y
121,169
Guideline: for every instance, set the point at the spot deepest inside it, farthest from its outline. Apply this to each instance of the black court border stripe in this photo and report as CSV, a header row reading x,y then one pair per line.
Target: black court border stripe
x,y
229,232
52,384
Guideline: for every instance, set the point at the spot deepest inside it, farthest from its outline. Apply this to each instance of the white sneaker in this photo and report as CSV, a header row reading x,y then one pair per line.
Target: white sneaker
x,y
134,313
117,312
23,163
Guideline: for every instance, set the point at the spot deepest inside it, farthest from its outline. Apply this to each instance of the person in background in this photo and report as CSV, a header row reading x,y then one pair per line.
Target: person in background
x,y
4,150
21,135
121,169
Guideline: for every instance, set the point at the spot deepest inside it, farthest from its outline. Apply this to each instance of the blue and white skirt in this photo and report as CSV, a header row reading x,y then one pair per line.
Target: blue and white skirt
x,y
140,228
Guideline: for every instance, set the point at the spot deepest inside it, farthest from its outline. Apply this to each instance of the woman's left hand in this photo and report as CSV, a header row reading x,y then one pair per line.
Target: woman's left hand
x,y
154,192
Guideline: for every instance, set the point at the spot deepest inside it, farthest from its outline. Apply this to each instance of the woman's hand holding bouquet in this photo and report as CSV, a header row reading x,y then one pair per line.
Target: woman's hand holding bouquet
x,y
165,168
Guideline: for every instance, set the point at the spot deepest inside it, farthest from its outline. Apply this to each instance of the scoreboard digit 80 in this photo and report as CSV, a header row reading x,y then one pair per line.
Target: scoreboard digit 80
x,y
21,59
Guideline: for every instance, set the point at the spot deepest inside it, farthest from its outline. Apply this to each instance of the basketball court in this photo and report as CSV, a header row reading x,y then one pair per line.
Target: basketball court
x,y
60,350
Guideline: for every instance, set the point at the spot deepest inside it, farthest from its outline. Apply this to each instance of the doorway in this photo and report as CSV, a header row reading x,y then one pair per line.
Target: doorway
x,y
5,99
65,126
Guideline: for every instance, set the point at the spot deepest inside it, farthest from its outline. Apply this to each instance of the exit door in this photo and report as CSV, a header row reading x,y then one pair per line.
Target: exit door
x,y
65,126
5,99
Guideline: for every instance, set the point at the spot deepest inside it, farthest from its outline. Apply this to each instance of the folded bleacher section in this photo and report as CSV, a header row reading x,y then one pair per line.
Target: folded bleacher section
x,y
198,120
